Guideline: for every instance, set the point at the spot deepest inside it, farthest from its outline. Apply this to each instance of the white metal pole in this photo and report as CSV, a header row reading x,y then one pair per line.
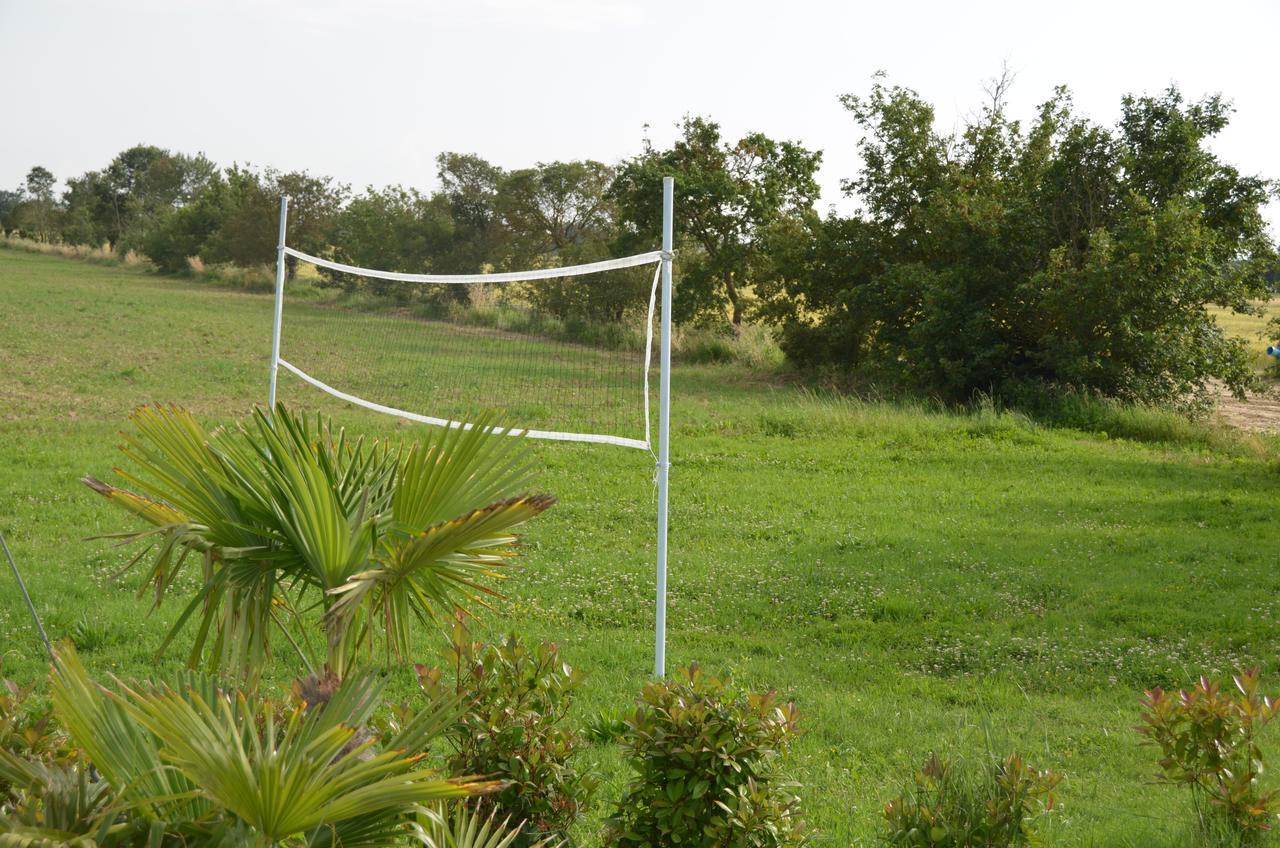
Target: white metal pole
x,y
664,426
275,331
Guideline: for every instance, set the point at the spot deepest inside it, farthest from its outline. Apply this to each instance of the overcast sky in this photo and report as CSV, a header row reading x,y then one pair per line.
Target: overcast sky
x,y
370,92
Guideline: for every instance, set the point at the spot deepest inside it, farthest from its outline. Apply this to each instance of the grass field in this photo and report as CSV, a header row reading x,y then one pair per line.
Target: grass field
x,y
914,579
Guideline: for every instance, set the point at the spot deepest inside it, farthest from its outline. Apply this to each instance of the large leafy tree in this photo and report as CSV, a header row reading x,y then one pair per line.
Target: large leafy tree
x,y
731,195
250,214
470,184
314,205
248,211
557,211
395,229
1005,259
9,200
561,213
145,183
90,210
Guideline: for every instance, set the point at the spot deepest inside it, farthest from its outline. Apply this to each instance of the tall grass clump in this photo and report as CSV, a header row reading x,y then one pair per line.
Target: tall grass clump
x,y
957,803
1135,421
101,255
754,346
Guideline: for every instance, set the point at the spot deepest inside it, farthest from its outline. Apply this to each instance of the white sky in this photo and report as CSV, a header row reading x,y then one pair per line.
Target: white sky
x,y
370,92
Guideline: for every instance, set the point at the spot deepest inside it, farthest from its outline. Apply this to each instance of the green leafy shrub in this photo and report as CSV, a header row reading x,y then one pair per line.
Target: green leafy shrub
x,y
1086,259
1208,741
955,804
27,732
704,757
513,728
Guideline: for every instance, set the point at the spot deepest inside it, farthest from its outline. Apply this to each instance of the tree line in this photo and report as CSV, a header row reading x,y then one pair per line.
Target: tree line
x,y
1001,258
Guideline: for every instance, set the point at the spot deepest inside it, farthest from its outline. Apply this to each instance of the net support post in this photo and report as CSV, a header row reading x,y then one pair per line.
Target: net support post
x,y
279,313
664,427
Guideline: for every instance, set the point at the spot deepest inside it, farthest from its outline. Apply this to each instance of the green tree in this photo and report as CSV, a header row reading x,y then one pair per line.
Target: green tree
x,y
395,229
144,184
248,231
189,230
561,213
250,215
557,211
36,214
90,210
314,205
9,201
1065,255
730,196
470,186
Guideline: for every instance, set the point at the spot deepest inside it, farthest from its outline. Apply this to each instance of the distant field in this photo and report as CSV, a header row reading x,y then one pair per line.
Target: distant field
x,y
1252,329
914,579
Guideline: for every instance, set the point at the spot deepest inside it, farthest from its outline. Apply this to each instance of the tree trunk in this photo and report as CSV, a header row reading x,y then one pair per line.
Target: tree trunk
x,y
735,302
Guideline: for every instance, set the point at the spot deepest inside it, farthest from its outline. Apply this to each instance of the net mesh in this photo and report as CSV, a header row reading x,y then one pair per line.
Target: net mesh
x,y
565,352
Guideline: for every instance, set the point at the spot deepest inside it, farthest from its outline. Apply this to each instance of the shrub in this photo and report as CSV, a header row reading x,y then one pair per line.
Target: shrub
x,y
704,757
1056,254
950,804
1208,741
26,731
513,729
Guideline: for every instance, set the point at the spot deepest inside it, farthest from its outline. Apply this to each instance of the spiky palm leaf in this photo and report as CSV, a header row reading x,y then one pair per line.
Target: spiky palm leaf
x,y
58,805
458,826
278,506
125,753
192,757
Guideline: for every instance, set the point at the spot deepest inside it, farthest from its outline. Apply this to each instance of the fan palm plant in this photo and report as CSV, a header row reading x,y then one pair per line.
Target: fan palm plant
x,y
286,515
212,767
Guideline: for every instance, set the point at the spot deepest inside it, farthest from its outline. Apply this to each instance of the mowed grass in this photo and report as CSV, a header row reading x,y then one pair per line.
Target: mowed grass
x,y
915,579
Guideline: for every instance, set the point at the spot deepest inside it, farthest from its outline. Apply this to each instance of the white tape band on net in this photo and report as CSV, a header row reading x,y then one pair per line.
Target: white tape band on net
x,y
443,422
474,279
648,347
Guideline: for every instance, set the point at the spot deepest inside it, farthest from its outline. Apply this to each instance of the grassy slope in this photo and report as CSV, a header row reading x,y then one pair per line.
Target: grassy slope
x,y
914,579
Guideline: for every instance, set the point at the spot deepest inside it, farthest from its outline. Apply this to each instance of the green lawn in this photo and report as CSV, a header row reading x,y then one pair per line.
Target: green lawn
x,y
914,579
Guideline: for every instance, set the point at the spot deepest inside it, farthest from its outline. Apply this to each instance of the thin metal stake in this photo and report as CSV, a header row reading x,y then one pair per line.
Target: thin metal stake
x,y
23,586
664,428
275,327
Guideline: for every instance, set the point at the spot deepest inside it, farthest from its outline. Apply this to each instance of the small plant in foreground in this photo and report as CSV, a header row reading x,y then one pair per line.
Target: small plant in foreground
x,y
516,698
1208,740
25,732
955,804
704,756
606,727
188,762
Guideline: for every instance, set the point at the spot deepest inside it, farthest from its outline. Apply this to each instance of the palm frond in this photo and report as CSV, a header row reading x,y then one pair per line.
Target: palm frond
x,y
124,752
458,826
456,470
281,503
289,779
437,569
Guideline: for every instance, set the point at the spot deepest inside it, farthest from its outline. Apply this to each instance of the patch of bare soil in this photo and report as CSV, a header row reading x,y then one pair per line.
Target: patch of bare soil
x,y
1260,413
